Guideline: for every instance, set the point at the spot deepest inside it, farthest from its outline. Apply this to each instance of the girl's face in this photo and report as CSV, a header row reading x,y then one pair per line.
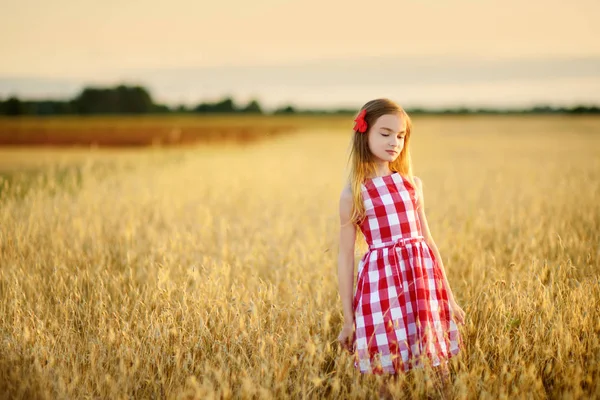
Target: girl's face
x,y
386,137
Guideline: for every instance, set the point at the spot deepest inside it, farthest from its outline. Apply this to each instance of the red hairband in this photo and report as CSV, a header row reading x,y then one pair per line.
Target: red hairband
x,y
361,124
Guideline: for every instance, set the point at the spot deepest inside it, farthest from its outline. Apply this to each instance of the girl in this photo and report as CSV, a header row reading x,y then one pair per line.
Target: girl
x,y
402,314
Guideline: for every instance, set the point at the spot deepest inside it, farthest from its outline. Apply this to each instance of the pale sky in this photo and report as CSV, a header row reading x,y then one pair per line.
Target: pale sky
x,y
102,40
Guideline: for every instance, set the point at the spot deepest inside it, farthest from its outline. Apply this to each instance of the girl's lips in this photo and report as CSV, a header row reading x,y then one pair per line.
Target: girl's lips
x,y
391,151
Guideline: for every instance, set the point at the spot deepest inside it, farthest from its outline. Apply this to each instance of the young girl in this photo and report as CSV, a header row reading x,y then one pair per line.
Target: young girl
x,y
402,313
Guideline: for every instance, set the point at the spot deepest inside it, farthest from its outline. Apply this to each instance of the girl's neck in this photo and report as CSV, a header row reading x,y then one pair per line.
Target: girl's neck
x,y
382,169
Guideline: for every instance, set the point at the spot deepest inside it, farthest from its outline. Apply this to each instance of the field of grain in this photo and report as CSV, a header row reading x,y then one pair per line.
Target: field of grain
x,y
210,271
142,130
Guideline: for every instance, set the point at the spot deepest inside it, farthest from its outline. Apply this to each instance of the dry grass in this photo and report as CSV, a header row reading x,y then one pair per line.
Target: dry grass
x,y
210,272
143,130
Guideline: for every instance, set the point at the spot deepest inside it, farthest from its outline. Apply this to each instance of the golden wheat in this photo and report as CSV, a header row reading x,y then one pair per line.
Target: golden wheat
x,y
210,272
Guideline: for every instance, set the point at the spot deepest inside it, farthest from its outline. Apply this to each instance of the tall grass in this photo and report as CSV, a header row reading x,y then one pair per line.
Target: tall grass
x,y
141,130
210,272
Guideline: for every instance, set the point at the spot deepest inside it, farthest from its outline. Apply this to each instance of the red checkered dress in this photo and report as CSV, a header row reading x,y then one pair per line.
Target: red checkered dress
x,y
401,310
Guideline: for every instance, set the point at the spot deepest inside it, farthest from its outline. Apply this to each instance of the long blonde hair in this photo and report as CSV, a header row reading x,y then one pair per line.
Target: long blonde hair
x,y
362,160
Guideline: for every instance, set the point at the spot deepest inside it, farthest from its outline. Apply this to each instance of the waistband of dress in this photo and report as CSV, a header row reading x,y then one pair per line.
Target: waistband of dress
x,y
401,242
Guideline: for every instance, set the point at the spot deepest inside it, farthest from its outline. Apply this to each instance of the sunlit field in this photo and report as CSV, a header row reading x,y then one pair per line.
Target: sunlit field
x,y
141,130
211,271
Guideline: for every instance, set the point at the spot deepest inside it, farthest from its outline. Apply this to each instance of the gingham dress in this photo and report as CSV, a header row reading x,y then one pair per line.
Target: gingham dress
x,y
401,312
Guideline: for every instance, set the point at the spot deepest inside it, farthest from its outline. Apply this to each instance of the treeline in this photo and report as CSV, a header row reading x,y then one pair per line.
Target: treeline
x,y
119,100
541,109
137,100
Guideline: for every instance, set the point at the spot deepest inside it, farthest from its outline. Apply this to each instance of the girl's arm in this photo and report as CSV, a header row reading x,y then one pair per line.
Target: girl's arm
x,y
346,255
429,238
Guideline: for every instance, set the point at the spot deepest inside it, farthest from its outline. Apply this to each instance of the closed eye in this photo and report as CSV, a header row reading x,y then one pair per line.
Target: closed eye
x,y
387,134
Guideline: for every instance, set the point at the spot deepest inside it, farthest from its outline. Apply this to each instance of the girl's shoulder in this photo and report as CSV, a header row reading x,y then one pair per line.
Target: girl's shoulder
x,y
418,182
346,194
346,205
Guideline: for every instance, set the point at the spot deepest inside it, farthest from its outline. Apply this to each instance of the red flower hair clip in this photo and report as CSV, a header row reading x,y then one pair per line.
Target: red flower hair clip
x,y
361,124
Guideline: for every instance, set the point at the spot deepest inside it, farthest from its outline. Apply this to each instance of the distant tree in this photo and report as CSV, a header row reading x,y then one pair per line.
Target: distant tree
x,y
122,99
253,107
346,111
584,110
50,107
161,109
182,108
13,106
416,110
94,101
543,109
285,110
133,100
226,105
202,108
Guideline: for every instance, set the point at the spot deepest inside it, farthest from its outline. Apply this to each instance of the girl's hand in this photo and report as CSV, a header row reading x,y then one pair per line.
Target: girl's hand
x,y
344,338
459,314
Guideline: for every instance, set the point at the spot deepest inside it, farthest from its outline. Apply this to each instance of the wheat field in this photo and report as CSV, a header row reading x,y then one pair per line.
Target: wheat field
x,y
142,130
211,271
